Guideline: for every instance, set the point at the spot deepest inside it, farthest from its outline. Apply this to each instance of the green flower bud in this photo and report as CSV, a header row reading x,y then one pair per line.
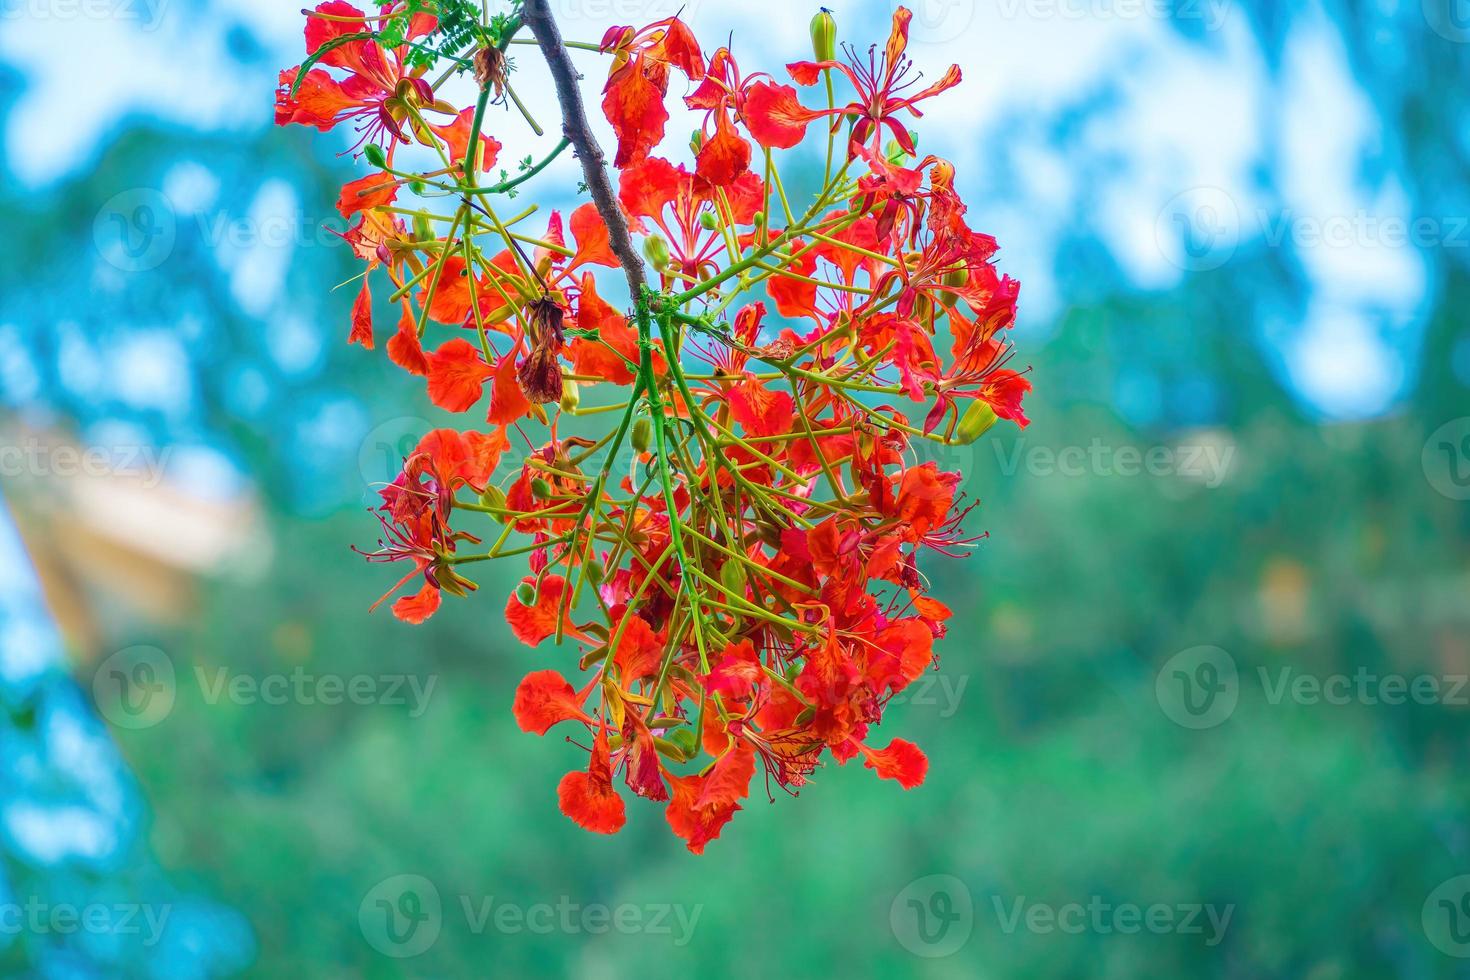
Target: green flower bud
x,y
595,572
656,250
824,35
493,497
958,277
642,435
571,397
707,221
732,577
977,421
696,141
541,489
526,593
375,156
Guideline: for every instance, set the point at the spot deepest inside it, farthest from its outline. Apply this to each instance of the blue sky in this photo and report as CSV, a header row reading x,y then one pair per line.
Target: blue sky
x,y
1293,155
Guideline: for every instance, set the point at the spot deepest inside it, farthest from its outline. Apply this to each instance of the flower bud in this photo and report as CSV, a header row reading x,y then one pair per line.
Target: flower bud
x,y
375,156
956,277
824,35
732,577
707,221
452,582
540,488
595,572
526,593
571,396
977,421
656,250
493,497
696,141
642,435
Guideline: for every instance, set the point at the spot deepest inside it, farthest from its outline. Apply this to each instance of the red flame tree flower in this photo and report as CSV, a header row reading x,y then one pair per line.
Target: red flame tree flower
x,y
727,536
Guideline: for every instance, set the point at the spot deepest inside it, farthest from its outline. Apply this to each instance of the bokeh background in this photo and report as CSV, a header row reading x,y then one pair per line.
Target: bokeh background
x,y
1203,710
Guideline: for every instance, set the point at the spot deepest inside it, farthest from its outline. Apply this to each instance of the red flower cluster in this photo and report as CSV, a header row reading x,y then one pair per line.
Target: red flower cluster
x,y
736,558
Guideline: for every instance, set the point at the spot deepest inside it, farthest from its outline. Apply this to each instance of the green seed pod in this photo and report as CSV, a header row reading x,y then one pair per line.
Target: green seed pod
x,y
656,250
375,156
708,222
642,435
596,572
541,489
493,497
732,577
977,421
824,35
526,594
958,277
571,397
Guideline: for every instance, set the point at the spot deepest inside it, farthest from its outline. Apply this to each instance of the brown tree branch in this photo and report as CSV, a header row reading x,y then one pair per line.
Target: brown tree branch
x,y
537,16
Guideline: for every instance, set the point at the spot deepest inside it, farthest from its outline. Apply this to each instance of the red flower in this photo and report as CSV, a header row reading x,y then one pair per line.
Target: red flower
x,y
379,92
633,99
881,83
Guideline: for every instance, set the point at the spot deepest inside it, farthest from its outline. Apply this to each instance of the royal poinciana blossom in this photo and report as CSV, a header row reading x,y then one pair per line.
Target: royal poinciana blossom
x,y
712,482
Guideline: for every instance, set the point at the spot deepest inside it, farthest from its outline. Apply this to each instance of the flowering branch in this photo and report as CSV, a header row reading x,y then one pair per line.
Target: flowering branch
x,y
538,17
736,560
